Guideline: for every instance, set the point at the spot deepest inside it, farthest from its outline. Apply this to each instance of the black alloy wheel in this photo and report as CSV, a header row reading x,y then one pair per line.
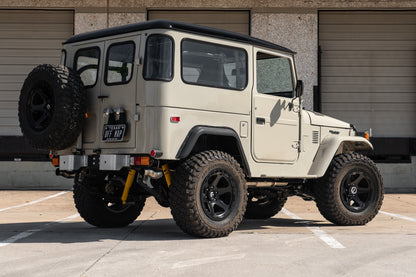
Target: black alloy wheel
x,y
217,195
208,194
40,106
351,192
357,189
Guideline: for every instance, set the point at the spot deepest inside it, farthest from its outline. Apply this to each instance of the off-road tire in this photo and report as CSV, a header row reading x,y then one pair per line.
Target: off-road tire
x,y
351,192
94,210
52,107
264,203
201,182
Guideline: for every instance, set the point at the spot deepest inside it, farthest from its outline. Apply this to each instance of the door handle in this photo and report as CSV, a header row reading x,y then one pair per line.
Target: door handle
x,y
260,121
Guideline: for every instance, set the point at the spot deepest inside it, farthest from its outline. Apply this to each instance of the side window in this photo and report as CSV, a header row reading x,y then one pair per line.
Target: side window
x,y
274,75
213,65
119,64
86,64
158,63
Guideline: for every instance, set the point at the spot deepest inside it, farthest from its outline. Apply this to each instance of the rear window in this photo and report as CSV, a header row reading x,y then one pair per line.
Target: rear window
x,y
119,65
158,63
213,65
86,65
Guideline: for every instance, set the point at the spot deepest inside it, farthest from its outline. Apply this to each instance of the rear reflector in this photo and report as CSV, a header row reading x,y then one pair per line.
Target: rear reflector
x,y
175,119
156,153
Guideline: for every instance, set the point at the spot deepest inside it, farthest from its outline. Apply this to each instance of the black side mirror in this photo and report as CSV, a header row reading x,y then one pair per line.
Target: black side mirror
x,y
299,88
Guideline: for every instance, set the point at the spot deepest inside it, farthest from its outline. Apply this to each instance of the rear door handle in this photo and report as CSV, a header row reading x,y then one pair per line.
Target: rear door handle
x,y
260,121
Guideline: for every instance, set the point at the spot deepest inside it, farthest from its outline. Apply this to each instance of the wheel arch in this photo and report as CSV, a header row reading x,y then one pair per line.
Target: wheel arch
x,y
334,145
201,138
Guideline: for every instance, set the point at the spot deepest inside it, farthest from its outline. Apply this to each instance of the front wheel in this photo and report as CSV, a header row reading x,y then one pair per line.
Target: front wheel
x,y
208,195
351,192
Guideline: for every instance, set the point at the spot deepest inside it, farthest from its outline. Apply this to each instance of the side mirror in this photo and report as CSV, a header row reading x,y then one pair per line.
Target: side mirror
x,y
299,88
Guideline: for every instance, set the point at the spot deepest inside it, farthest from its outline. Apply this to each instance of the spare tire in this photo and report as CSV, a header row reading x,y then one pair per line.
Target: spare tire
x,y
52,107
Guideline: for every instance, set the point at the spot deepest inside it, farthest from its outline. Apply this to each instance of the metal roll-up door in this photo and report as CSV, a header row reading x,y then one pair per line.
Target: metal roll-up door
x,y
27,38
235,21
368,70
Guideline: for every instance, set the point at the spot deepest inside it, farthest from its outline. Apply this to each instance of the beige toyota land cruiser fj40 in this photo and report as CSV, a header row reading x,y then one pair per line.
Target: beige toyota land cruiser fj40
x,y
208,122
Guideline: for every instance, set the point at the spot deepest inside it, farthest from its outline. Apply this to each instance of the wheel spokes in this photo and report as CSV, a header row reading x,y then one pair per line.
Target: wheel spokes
x,y
359,178
357,200
216,195
40,120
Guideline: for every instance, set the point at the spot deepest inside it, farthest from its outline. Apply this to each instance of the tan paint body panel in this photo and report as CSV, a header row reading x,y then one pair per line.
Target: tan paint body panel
x,y
155,102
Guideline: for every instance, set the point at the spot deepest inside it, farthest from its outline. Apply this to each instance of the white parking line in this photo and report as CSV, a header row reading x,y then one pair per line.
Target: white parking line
x,y
321,234
208,260
35,201
399,216
28,233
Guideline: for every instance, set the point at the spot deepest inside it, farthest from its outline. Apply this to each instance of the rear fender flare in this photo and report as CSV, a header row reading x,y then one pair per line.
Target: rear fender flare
x,y
197,131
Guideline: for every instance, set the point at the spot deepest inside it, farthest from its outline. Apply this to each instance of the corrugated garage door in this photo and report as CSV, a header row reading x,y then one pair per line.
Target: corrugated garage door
x,y
368,70
236,21
27,38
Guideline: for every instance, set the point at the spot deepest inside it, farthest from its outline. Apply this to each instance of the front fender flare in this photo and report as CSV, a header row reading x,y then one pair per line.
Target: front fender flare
x,y
334,145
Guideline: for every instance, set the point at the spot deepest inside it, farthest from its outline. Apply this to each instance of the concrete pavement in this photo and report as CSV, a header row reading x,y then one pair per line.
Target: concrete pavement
x,y
48,238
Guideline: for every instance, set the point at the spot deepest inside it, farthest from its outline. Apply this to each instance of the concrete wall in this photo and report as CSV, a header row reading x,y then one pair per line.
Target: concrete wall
x,y
31,175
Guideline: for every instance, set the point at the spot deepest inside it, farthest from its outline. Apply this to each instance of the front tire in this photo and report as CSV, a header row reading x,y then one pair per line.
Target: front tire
x,y
351,192
208,195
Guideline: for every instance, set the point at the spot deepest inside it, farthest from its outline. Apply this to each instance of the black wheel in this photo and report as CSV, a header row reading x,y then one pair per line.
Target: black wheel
x,y
208,195
98,202
351,192
264,203
52,107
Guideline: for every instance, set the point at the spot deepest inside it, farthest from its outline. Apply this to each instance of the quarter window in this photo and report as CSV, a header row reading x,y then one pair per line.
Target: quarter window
x,y
119,65
86,65
214,65
274,75
158,64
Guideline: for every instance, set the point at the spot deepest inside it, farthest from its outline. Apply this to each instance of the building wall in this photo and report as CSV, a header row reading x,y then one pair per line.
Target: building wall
x,y
290,23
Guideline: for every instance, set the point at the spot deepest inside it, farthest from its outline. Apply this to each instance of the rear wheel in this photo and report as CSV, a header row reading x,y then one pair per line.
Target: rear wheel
x,y
97,200
208,195
351,192
264,203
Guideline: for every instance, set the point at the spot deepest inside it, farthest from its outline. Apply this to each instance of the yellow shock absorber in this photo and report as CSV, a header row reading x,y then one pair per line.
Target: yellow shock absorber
x,y
127,185
166,172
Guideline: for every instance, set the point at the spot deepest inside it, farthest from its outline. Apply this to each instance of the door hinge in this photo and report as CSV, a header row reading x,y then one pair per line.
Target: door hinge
x,y
295,145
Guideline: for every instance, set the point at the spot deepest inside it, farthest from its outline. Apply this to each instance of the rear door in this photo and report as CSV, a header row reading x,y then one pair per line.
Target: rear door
x,y
87,62
118,93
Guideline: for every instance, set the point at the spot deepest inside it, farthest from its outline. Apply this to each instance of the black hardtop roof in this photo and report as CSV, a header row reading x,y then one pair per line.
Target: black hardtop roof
x,y
179,26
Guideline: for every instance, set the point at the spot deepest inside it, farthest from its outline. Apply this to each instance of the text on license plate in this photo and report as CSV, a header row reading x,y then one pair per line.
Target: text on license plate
x,y
114,133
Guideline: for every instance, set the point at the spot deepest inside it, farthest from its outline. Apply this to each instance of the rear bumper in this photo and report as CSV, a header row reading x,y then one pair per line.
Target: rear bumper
x,y
101,162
